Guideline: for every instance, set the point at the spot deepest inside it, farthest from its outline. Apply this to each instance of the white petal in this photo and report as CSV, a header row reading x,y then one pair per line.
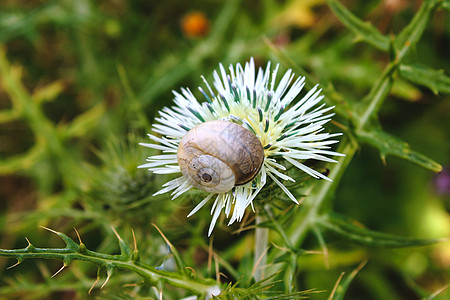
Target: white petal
x,y
173,184
200,205
218,205
281,175
181,189
283,188
306,169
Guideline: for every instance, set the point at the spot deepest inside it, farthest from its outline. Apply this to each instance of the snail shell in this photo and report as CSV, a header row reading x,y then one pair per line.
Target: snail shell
x,y
215,156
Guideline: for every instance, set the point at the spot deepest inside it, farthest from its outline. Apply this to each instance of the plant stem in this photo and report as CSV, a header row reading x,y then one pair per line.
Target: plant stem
x,y
111,262
261,245
318,196
369,108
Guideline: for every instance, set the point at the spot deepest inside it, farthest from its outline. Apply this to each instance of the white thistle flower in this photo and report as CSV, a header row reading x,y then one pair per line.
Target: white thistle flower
x,y
287,129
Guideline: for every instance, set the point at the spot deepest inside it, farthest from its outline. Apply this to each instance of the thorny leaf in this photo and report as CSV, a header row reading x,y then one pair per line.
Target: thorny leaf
x,y
347,229
435,80
364,30
390,145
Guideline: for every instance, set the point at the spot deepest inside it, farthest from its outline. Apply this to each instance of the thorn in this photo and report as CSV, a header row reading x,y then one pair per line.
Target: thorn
x,y
70,244
92,287
51,230
260,258
359,267
134,240
97,280
135,256
14,265
115,232
78,235
62,268
279,247
29,247
106,281
439,291
336,286
223,275
162,234
125,250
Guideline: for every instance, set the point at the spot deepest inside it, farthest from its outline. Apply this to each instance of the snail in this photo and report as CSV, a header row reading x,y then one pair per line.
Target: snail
x,y
215,156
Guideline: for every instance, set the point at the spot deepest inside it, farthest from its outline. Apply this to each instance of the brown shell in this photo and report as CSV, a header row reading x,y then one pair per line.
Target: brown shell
x,y
207,150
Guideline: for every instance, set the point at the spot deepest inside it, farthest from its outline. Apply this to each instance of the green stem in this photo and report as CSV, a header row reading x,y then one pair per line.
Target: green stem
x,y
261,245
43,129
278,228
369,108
110,262
23,105
402,44
312,204
374,100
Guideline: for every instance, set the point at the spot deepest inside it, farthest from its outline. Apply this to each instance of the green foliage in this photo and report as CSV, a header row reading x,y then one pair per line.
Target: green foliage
x,y
81,81
435,80
364,30
389,145
348,230
128,259
342,285
261,290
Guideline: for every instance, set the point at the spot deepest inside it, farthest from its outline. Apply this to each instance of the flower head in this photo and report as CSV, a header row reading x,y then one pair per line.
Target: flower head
x,y
288,130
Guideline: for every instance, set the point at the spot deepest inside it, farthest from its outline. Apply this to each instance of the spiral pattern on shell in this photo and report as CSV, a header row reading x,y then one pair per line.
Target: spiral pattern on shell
x,y
215,156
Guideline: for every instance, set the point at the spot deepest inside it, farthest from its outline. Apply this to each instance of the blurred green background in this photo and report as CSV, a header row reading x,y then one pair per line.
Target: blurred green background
x,y
81,82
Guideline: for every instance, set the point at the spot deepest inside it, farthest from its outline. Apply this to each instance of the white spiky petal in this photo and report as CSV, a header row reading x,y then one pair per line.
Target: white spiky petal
x,y
288,130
